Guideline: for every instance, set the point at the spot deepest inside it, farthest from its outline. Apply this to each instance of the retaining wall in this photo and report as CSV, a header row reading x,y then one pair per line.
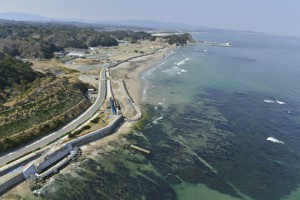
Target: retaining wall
x,y
126,91
5,170
12,182
139,114
97,134
52,158
30,170
56,155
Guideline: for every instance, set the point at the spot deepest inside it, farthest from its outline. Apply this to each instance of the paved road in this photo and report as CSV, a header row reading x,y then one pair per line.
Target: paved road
x,y
72,125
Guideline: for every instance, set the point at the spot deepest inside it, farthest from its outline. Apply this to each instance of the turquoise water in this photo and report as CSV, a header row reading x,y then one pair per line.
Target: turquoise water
x,y
208,112
230,100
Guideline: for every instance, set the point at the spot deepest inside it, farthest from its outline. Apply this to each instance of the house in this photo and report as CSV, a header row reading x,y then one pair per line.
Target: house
x,y
91,91
59,54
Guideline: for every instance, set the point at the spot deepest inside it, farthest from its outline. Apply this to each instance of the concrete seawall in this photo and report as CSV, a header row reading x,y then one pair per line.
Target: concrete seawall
x,y
19,178
56,156
139,114
126,91
12,166
97,134
53,157
59,154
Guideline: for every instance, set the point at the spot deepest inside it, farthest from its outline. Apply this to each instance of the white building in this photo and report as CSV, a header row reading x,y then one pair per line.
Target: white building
x,y
77,55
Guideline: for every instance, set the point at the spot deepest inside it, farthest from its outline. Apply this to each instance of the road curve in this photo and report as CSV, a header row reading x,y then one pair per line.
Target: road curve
x,y
69,127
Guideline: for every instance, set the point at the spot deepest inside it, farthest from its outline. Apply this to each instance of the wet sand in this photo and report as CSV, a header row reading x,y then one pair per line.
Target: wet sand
x,y
131,72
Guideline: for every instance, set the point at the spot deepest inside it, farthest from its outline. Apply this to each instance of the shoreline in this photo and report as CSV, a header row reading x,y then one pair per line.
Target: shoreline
x,y
134,69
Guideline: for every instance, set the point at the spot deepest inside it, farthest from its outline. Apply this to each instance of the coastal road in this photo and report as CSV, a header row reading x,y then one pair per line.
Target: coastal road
x,y
69,127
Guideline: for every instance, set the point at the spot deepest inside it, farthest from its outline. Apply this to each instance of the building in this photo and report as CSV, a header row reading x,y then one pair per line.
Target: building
x,y
91,91
76,55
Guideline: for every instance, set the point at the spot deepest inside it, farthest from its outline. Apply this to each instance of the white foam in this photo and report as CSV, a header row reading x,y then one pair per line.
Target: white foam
x,y
144,95
162,63
183,61
155,108
160,103
179,73
272,139
156,120
205,50
153,69
280,102
269,101
174,70
144,91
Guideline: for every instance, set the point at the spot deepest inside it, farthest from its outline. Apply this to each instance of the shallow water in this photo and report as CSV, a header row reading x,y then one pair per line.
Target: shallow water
x,y
209,111
229,101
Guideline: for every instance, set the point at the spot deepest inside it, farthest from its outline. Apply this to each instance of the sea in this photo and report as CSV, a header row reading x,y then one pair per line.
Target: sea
x,y
220,122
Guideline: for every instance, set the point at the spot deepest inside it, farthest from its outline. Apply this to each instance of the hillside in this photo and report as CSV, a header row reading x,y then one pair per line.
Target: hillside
x,y
14,73
33,104
177,39
41,40
182,39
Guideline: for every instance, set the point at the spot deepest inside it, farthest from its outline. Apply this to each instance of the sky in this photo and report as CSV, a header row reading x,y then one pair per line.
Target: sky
x,y
279,17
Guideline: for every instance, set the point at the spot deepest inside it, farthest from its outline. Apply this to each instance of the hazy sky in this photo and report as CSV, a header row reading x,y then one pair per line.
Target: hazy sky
x,y
269,16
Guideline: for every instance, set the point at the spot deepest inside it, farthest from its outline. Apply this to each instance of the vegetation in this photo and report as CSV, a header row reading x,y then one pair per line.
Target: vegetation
x,y
36,131
41,40
77,132
133,36
181,40
95,120
33,104
14,72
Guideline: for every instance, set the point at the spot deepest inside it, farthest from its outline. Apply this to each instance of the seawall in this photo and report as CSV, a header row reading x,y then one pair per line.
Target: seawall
x,y
97,134
55,156
19,178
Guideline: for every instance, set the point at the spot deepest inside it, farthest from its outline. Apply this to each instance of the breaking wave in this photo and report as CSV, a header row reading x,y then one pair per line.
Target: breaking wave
x,y
174,70
280,102
272,139
183,61
157,119
269,101
272,101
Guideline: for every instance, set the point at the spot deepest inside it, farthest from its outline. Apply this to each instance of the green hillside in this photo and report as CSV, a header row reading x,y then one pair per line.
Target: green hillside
x,y
33,104
13,71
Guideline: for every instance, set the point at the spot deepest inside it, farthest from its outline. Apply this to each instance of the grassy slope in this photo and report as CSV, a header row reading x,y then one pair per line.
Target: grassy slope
x,y
33,104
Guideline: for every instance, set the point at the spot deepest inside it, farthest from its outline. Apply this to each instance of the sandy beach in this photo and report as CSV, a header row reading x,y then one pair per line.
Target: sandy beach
x,y
131,72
